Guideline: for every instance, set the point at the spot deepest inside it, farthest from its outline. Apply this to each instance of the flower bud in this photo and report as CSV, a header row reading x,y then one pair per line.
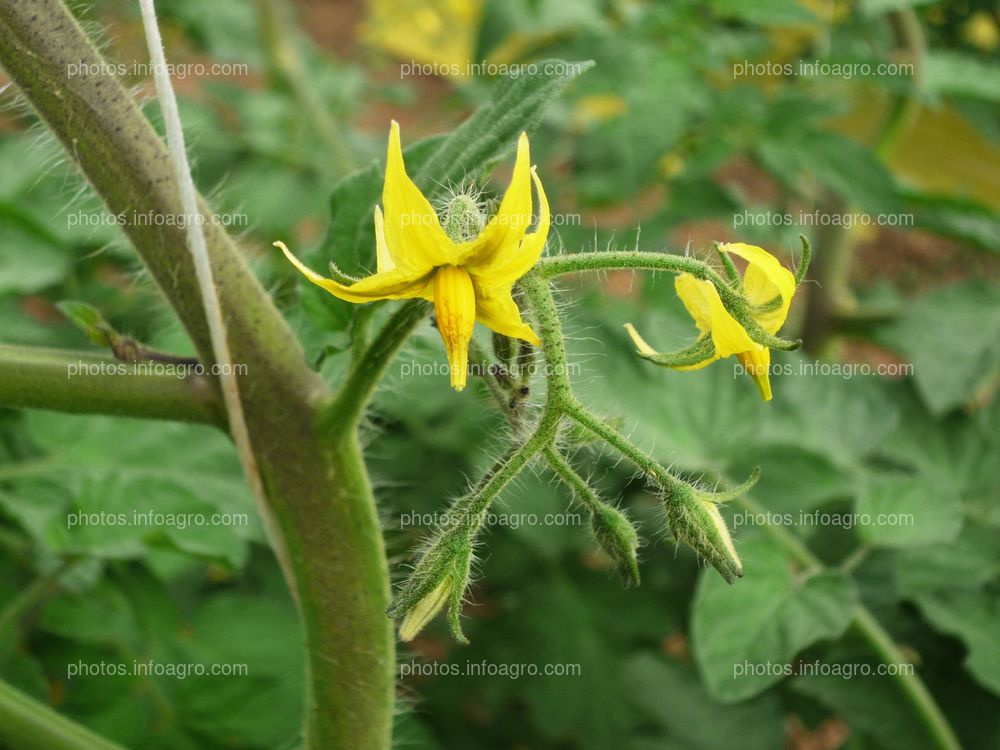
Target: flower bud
x,y
618,538
694,519
440,577
425,610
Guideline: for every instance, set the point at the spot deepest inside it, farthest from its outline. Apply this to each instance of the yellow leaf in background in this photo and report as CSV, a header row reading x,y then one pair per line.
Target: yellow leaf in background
x,y
440,34
590,110
981,31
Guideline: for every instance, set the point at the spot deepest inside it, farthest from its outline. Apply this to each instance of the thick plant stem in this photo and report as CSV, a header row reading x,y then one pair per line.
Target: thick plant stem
x,y
319,495
27,724
84,382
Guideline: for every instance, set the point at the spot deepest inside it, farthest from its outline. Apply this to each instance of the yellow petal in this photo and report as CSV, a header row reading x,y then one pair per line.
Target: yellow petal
x,y
455,312
728,335
765,279
383,258
703,303
413,233
640,342
511,221
692,293
509,264
497,310
756,364
394,284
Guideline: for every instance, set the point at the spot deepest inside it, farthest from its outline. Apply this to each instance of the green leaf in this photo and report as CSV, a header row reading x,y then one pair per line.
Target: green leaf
x,y
908,511
971,616
871,703
763,12
746,635
949,73
952,337
516,106
879,7
958,218
842,164
671,694
88,319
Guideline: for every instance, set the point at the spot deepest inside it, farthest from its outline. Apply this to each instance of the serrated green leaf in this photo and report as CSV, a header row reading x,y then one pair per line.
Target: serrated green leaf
x,y
952,337
671,694
908,511
746,635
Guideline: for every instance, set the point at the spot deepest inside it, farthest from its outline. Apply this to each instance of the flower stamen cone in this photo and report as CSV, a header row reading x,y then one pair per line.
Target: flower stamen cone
x,y
455,312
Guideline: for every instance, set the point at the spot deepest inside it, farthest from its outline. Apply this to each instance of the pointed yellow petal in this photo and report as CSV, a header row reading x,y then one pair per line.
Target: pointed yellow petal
x,y
497,310
511,263
508,227
412,230
383,258
455,312
756,363
639,341
765,279
394,284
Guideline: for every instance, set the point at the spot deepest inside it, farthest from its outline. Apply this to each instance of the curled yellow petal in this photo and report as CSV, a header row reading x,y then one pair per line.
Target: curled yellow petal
x,y
511,262
497,310
455,312
703,303
394,284
765,279
756,363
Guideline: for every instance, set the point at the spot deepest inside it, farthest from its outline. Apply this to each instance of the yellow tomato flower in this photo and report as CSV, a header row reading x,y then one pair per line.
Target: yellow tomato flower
x,y
467,280
767,286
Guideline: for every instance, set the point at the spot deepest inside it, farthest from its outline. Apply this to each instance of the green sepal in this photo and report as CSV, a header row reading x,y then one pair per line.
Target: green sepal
x,y
694,519
701,350
800,272
727,263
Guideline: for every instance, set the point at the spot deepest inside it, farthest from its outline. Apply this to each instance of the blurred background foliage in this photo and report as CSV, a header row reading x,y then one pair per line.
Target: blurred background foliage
x,y
663,135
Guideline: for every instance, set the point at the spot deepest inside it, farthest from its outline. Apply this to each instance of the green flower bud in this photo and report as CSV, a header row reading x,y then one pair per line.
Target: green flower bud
x,y
425,610
618,538
440,577
694,518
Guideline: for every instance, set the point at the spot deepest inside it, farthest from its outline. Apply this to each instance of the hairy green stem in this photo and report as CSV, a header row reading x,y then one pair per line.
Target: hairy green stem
x,y
572,479
88,383
624,260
